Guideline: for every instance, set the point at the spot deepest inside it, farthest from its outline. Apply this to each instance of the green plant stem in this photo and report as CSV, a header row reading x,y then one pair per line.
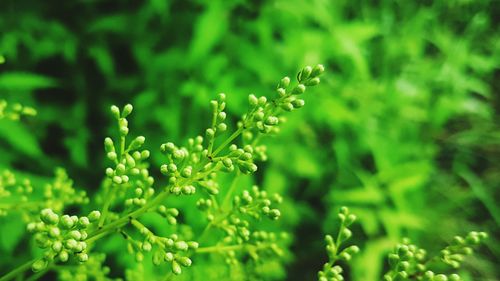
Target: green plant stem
x,y
213,249
125,219
228,141
169,276
110,195
212,139
230,191
337,244
20,269
38,275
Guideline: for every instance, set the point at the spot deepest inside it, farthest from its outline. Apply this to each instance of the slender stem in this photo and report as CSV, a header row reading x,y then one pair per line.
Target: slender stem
x,y
110,195
38,275
228,141
337,244
230,191
125,219
19,270
212,249
212,139
169,276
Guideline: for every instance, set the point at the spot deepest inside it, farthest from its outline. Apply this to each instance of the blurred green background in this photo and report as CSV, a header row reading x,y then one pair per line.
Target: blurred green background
x,y
404,128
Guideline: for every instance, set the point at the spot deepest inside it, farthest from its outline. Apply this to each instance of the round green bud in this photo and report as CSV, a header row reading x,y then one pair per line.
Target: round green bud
x,y
176,268
63,256
304,73
117,180
299,89
345,234
181,245
272,120
287,106
108,145
210,133
71,244
167,147
67,222
312,82
317,70
222,127
274,214
127,109
120,169
57,246
281,92
298,103
94,216
84,222
227,162
137,143
115,111
253,100
39,265
193,245
440,277
139,257
146,246
110,172
284,83
186,172
112,156
221,117
82,257
123,131
184,261
168,257
262,101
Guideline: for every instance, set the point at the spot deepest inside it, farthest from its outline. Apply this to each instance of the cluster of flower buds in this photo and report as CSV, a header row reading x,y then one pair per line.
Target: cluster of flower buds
x,y
15,111
180,168
93,269
218,121
431,276
289,97
164,249
265,121
460,247
241,157
169,213
13,191
257,203
408,260
333,248
61,236
405,260
331,273
61,192
130,166
237,229
260,246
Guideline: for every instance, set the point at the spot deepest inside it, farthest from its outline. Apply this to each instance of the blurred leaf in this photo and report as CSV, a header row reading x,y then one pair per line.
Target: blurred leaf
x,y
20,138
25,81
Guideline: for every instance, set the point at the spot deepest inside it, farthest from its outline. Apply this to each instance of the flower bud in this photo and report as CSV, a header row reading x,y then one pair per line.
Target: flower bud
x,y
299,89
284,83
252,100
127,109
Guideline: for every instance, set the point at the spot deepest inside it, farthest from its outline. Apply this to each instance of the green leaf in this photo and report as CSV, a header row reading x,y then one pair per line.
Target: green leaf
x,y
9,239
25,81
20,138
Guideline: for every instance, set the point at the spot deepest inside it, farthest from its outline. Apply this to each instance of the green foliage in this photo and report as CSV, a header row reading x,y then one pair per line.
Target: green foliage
x,y
404,129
